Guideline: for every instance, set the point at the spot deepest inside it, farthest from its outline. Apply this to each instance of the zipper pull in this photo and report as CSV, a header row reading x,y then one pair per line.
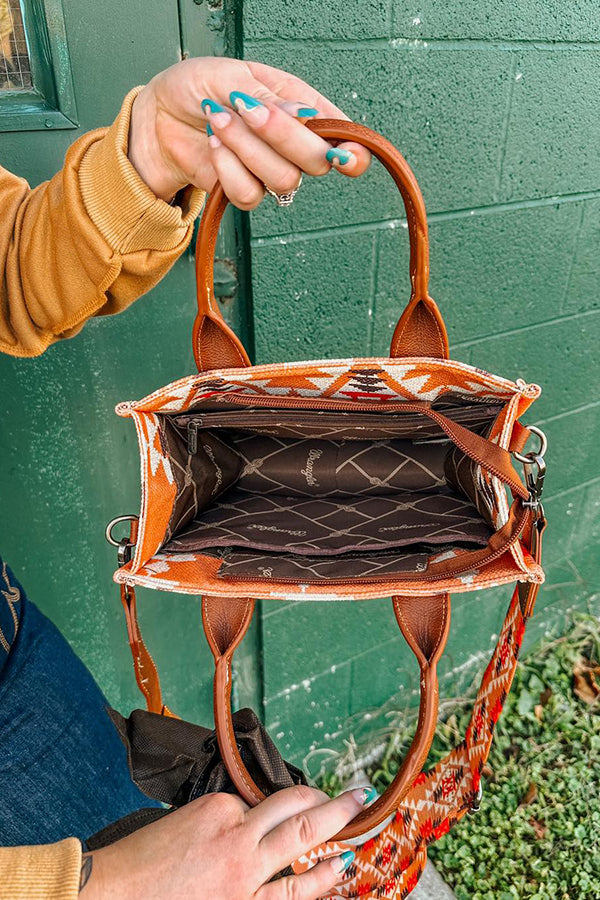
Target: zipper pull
x,y
192,435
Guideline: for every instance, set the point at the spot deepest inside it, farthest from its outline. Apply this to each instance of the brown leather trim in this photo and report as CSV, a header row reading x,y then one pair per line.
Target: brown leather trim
x,y
425,623
519,436
144,667
225,624
420,330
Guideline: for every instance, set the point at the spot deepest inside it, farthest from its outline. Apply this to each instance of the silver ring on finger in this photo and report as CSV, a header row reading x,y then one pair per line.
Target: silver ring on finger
x,y
284,199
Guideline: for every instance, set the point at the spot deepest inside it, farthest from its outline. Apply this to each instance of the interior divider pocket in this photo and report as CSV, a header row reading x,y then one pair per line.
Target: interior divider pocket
x,y
324,526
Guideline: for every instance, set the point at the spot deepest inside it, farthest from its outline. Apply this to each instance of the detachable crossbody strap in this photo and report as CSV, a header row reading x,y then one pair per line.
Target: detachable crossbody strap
x,y
420,330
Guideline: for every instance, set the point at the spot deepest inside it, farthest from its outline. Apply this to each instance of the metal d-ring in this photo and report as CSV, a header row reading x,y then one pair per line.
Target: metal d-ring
x,y
535,470
124,545
529,457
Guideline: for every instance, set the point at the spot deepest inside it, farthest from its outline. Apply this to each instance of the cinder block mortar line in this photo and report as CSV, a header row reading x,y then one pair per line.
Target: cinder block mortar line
x,y
425,43
512,71
569,412
345,662
576,487
573,257
373,294
529,327
389,17
442,216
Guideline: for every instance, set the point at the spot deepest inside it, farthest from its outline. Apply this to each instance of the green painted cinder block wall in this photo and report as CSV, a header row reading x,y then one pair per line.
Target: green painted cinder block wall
x,y
494,105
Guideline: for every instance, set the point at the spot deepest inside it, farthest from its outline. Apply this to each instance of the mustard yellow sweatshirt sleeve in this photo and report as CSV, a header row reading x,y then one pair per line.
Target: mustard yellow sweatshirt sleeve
x,y
46,872
86,243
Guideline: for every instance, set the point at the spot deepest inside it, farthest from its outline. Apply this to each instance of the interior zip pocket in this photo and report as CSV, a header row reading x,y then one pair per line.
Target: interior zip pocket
x,y
338,425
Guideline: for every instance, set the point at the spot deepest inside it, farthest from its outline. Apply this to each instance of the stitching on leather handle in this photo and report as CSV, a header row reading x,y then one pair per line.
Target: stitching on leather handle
x,y
227,659
442,630
225,335
446,603
233,640
412,634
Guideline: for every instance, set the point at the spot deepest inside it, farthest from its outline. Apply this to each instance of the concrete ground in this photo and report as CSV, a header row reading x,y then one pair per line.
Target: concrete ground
x,y
432,886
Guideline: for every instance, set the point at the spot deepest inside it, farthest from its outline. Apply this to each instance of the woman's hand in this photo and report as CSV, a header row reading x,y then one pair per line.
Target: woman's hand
x,y
255,113
218,848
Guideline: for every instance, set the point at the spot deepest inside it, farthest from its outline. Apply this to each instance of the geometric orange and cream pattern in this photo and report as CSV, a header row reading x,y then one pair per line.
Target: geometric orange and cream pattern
x,y
376,382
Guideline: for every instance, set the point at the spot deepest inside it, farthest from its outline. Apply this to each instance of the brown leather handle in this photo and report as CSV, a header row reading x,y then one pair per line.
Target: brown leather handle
x,y
424,621
420,330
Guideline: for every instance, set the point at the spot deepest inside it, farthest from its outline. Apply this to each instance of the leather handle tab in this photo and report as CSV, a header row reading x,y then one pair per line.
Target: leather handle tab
x,y
226,621
425,622
146,673
420,330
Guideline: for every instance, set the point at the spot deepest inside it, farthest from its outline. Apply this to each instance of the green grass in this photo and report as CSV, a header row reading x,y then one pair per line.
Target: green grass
x,y
537,835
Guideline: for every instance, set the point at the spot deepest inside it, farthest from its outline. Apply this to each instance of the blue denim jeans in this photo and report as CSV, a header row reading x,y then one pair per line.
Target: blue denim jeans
x,y
63,768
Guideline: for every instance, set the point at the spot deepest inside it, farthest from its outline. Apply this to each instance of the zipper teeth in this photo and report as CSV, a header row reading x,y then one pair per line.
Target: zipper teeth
x,y
400,576
398,407
211,418
316,403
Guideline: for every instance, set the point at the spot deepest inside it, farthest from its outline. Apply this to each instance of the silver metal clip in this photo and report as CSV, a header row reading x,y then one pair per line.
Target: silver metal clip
x,y
534,467
476,801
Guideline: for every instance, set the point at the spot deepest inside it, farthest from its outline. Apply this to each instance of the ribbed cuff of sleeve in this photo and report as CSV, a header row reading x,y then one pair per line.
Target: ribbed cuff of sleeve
x,y
48,871
122,207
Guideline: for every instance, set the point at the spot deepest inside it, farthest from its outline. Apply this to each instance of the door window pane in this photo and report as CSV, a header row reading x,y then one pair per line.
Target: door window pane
x,y
15,71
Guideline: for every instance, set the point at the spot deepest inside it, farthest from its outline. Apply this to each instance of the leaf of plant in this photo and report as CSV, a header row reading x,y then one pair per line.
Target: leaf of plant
x,y
526,703
530,795
585,685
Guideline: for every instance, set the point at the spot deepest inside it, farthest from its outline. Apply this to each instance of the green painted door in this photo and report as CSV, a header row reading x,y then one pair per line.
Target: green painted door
x,y
69,464
495,106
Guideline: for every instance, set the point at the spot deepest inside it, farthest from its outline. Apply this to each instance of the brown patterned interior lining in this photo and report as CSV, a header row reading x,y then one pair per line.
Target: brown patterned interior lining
x,y
309,496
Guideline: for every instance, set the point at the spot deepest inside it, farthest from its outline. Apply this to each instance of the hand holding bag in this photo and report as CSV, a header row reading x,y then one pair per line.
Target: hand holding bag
x,y
344,479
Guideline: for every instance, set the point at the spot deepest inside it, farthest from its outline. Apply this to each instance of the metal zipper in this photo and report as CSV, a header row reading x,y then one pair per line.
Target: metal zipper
x,y
192,435
292,403
403,576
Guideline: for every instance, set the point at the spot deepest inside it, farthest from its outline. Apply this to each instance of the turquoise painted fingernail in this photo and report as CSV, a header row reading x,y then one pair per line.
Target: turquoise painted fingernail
x,y
365,795
219,116
306,112
209,130
238,98
345,860
369,795
342,157
251,109
213,106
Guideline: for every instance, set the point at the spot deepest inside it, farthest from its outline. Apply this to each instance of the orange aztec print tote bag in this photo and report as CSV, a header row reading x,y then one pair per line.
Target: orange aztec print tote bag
x,y
343,479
